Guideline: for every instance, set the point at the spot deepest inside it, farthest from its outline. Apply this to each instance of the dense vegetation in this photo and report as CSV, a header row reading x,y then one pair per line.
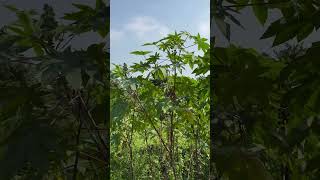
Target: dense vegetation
x,y
263,110
265,120
54,98
160,116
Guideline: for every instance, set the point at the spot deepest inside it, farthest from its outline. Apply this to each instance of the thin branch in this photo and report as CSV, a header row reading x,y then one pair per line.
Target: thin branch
x,y
68,41
150,119
67,167
154,127
61,37
255,4
102,142
75,168
23,62
92,157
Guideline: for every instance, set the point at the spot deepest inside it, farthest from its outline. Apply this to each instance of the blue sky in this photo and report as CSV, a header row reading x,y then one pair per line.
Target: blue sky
x,y
135,22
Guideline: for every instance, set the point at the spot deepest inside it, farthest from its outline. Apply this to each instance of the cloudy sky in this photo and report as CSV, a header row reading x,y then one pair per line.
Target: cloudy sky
x,y
134,23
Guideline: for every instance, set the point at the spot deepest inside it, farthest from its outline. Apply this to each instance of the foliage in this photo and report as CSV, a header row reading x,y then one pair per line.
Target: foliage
x,y
160,126
54,99
266,110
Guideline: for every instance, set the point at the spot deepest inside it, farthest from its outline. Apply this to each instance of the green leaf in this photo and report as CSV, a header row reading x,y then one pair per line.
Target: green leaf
x,y
261,12
82,7
119,109
17,30
315,21
12,8
223,26
149,44
164,71
305,31
241,2
201,42
37,49
140,53
84,77
24,42
272,29
99,4
286,34
25,20
74,16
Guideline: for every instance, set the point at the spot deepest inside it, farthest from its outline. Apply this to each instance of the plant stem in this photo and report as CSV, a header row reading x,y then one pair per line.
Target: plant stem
x,y
75,167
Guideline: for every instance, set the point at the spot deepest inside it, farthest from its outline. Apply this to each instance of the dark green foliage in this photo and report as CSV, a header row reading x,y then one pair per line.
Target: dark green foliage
x,y
52,103
88,18
266,110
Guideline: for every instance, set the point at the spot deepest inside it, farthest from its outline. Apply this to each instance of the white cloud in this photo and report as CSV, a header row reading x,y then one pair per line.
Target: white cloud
x,y
163,31
204,29
116,35
144,26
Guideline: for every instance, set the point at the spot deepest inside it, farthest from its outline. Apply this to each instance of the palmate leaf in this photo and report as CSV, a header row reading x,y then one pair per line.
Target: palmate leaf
x,y
27,30
100,57
90,19
235,20
261,12
223,26
272,29
119,109
305,80
83,15
241,78
24,19
286,34
83,7
26,23
287,28
12,8
314,20
282,31
17,30
37,49
201,42
305,31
